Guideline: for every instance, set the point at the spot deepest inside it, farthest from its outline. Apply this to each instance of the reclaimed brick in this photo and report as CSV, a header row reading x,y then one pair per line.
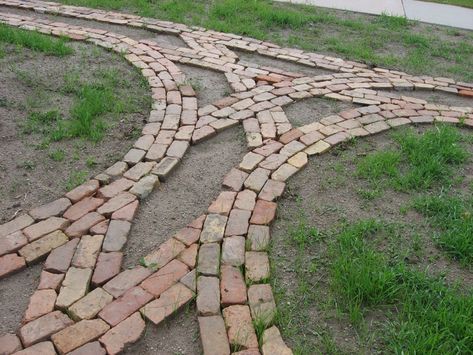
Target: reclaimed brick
x,y
39,248
82,225
115,203
258,237
49,280
42,328
42,228
256,266
108,265
125,333
208,259
86,189
213,335
126,280
51,209
117,235
93,348
164,278
272,190
41,303
126,213
189,256
208,296
81,208
115,188
240,330
9,344
234,179
237,222
74,286
232,286
165,253
12,242
43,348
214,228
90,305
223,204
87,251
233,251
273,343
262,304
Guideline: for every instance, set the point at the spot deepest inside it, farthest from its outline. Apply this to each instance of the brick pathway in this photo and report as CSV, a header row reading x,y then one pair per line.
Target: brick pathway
x,y
85,303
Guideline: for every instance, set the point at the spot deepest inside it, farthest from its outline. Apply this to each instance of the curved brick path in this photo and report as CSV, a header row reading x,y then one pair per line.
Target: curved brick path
x,y
85,303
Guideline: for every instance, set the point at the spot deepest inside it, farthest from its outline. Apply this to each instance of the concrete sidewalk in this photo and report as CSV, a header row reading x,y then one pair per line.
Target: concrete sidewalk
x,y
438,14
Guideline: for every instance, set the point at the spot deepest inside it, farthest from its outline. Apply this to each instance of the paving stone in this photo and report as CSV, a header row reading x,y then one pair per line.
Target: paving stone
x,y
164,278
284,172
12,242
79,334
223,204
126,280
235,179
208,260
100,228
139,170
317,148
168,303
115,188
9,343
189,256
188,236
87,251
86,189
190,280
273,161
115,203
232,286
377,127
90,305
41,303
126,213
272,190
262,304
269,148
44,348
273,343
292,148
250,161
145,186
202,134
246,200
134,156
256,266
165,253
177,149
81,208
74,286
264,212
258,237
233,251
164,167
11,263
49,280
237,222
82,225
42,328
290,136
208,296
125,333
240,330
93,348
117,235
257,179
51,209
126,305
39,248
214,228
117,169
213,335
108,265
42,228
299,160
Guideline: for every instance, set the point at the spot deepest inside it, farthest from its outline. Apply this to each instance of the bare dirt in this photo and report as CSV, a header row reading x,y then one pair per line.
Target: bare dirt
x,y
325,196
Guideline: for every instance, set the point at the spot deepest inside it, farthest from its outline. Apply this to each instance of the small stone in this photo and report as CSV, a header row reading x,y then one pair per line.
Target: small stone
x,y
232,286
284,172
82,225
235,179
256,266
12,242
79,334
9,344
51,209
84,190
214,228
145,186
117,235
237,222
44,348
241,332
115,203
126,280
126,305
209,256
262,304
165,253
208,296
168,303
88,306
163,279
74,286
43,327
258,237
49,280
273,343
233,251
39,248
81,208
87,251
93,348
214,336
223,204
41,303
108,265
125,333
47,226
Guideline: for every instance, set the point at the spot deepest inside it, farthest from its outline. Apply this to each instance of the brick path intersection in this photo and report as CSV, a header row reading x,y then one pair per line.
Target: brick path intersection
x,y
85,302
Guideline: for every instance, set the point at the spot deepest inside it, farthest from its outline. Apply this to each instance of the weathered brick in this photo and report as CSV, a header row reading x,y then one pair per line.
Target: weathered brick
x,y
9,344
82,207
82,225
256,266
264,212
51,209
87,251
165,253
208,295
41,303
164,278
240,330
232,286
117,235
43,327
223,204
89,305
12,242
209,256
47,226
108,265
74,286
125,333
237,222
39,248
233,251
84,190
126,280
214,336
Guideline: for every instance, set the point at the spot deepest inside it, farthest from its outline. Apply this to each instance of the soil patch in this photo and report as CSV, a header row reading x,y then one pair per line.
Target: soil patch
x,y
325,195
34,172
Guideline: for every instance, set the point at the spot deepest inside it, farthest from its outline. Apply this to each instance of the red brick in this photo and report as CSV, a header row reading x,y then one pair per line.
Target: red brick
x,y
235,179
198,222
290,136
60,258
84,190
163,279
83,207
240,326
15,225
116,202
93,348
126,213
42,228
82,225
115,188
126,280
165,253
108,265
189,235
264,212
9,343
49,280
125,333
214,336
41,303
223,204
189,256
237,222
232,286
272,190
51,209
43,327
11,263
12,242
44,348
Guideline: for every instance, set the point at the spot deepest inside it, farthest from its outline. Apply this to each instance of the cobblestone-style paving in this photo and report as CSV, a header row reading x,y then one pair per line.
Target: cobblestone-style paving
x,y
85,303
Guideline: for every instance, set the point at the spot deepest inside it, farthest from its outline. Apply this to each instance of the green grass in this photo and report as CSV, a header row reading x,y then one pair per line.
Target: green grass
x,y
430,317
464,3
398,44
453,218
419,162
34,41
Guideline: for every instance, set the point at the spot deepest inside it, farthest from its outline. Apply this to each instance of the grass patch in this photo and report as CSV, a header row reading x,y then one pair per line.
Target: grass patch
x,y
398,44
34,41
419,162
